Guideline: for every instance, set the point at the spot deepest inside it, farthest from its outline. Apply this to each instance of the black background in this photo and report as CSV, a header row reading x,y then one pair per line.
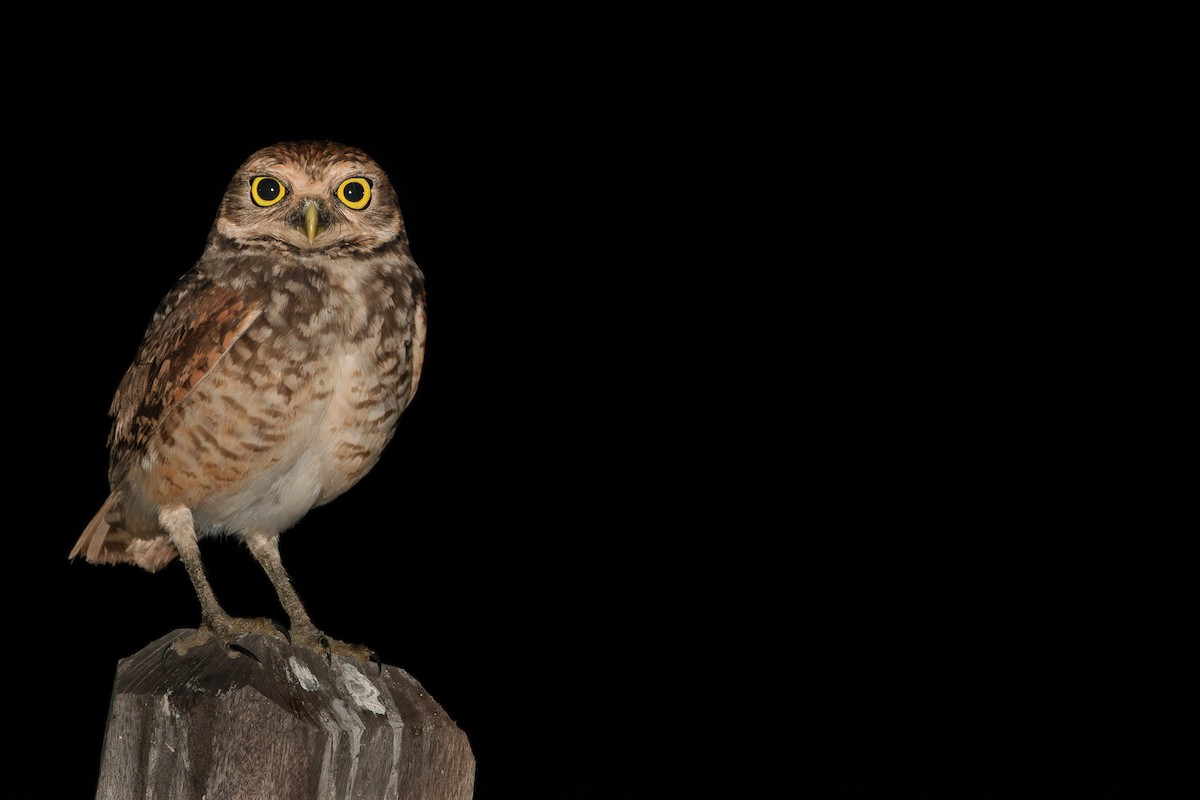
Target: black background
x,y
800,398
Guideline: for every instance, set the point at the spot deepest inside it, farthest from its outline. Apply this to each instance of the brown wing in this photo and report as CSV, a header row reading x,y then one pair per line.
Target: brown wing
x,y
194,326
416,346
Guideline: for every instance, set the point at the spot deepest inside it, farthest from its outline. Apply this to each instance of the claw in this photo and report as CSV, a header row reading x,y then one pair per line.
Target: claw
x,y
279,626
237,648
374,657
162,658
324,640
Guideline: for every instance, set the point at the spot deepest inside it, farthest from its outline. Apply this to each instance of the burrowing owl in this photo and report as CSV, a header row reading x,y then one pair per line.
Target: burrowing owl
x,y
270,378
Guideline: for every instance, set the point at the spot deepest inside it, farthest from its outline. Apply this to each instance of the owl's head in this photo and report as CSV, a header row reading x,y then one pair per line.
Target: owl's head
x,y
310,197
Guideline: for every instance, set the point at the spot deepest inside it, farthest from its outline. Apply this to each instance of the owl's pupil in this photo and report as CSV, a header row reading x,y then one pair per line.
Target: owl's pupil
x,y
268,188
354,192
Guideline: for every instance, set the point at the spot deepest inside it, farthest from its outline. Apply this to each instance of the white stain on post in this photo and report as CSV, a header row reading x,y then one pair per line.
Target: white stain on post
x,y
361,691
303,675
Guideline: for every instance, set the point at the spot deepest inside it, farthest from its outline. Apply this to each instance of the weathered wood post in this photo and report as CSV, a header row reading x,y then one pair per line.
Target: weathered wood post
x,y
275,722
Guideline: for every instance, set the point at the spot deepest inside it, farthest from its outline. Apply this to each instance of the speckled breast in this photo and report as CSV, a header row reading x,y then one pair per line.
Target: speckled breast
x,y
297,410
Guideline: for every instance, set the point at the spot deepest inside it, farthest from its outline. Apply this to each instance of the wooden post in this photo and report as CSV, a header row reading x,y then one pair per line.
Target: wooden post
x,y
217,723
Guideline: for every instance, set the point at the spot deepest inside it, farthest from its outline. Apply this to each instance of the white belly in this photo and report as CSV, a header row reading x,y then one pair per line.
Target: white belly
x,y
330,444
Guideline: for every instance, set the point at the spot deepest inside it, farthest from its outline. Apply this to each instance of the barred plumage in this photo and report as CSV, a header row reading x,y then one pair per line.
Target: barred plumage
x,y
270,378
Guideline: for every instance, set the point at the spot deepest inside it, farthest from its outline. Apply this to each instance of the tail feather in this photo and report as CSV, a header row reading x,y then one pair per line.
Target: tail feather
x,y
104,541
91,542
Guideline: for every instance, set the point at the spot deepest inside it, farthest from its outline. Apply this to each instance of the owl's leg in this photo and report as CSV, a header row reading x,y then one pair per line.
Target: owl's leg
x,y
178,523
265,548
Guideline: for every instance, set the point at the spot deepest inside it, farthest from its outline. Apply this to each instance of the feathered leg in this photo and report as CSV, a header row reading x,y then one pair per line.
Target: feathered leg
x,y
177,522
265,548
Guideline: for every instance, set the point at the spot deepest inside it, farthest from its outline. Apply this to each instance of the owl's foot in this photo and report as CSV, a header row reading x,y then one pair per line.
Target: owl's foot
x,y
313,639
226,629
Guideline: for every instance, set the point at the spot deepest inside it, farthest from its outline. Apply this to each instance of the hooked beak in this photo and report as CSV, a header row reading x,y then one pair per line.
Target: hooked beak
x,y
311,214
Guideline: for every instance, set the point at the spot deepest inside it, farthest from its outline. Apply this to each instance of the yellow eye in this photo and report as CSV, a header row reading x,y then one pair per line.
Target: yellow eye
x,y
266,191
355,192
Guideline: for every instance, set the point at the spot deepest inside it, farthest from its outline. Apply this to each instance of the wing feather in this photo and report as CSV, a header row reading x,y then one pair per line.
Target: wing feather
x,y
193,328
416,356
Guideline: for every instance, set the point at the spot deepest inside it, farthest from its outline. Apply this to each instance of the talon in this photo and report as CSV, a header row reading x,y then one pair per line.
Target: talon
x,y
237,648
373,656
162,659
279,626
324,641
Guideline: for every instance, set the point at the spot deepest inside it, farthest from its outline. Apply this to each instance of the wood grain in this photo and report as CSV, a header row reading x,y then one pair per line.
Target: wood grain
x,y
217,723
